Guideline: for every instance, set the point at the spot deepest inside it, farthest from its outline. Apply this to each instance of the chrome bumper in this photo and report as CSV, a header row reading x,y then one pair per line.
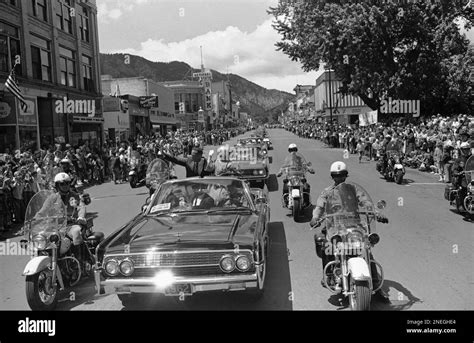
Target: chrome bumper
x,y
198,284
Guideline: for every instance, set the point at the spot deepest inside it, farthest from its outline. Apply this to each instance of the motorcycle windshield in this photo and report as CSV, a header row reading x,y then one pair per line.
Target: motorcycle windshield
x,y
295,165
158,171
45,212
349,206
469,169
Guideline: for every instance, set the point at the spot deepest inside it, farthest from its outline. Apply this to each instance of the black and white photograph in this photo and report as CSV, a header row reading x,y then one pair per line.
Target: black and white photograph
x,y
237,155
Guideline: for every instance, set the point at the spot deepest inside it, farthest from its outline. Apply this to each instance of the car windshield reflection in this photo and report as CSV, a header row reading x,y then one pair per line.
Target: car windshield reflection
x,y
201,196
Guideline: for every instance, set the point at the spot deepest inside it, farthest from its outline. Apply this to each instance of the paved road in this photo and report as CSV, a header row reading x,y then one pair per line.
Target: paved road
x,y
426,250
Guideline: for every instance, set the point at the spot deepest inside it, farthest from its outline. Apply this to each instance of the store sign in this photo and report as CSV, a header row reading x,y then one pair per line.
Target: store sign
x,y
111,104
148,101
206,83
27,117
203,75
5,110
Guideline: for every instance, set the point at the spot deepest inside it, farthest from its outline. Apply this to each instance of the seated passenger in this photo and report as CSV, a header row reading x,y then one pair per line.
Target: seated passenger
x,y
218,196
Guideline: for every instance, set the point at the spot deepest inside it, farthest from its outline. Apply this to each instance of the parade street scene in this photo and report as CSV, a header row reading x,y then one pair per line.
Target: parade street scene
x,y
207,155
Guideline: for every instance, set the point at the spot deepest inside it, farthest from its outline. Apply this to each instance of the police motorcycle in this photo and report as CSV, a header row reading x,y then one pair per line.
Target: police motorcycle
x,y
350,222
53,266
137,174
460,193
394,171
469,174
298,197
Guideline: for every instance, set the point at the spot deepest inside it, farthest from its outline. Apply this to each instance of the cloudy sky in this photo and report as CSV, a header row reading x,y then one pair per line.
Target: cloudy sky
x,y
236,36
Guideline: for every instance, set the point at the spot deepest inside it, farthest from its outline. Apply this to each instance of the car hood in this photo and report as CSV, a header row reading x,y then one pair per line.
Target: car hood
x,y
186,231
248,165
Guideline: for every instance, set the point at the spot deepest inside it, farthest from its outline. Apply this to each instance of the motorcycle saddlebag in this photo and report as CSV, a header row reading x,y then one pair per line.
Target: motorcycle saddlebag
x,y
448,193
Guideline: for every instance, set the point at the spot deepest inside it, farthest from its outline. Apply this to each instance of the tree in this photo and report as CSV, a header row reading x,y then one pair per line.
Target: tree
x,y
379,48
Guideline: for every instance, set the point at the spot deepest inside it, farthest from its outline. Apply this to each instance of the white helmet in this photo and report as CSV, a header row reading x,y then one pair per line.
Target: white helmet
x,y
465,145
62,177
293,147
339,168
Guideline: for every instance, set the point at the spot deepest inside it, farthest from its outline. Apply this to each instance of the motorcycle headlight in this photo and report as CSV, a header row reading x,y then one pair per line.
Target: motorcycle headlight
x,y
126,267
227,264
112,267
374,239
243,263
39,242
356,240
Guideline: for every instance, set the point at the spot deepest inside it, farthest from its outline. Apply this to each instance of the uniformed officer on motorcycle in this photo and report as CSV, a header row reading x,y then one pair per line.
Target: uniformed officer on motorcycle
x,y
339,174
75,210
297,161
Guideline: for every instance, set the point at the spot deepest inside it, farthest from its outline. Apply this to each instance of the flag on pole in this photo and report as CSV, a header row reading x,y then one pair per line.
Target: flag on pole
x,y
12,86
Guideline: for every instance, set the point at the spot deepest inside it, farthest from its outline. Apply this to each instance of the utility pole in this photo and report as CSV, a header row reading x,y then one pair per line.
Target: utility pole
x,y
202,62
330,96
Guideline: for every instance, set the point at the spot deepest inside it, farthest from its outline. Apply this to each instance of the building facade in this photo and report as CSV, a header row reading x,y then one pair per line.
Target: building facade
x,y
188,101
55,44
156,108
328,102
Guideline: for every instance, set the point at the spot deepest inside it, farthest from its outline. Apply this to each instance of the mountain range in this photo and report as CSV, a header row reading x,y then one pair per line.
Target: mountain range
x,y
259,102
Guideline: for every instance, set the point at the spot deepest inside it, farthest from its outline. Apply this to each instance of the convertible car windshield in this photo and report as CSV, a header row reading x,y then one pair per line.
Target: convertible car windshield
x,y
198,195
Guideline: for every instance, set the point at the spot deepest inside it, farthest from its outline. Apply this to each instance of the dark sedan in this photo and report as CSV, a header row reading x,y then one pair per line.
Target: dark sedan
x,y
195,235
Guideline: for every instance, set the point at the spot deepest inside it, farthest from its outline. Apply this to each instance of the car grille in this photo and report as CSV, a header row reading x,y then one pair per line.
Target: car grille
x,y
178,260
171,259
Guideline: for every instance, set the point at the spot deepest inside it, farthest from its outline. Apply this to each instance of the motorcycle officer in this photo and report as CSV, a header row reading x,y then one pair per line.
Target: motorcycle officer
x,y
339,174
295,159
75,210
67,167
457,171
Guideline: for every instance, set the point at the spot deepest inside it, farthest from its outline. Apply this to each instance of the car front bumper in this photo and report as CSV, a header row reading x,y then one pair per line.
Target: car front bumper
x,y
197,284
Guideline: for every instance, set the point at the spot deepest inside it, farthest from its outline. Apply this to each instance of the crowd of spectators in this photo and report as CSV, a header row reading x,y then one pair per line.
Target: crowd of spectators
x,y
25,172
427,144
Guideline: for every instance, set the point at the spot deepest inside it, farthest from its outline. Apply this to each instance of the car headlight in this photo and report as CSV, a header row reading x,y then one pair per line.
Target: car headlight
x,y
112,267
126,267
39,242
227,264
243,263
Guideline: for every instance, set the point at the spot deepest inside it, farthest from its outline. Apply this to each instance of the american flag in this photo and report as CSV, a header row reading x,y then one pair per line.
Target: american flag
x,y
12,86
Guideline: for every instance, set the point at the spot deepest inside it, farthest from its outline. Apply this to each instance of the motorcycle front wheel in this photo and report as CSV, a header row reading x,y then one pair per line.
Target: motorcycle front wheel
x,y
133,181
41,293
361,296
296,209
399,177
